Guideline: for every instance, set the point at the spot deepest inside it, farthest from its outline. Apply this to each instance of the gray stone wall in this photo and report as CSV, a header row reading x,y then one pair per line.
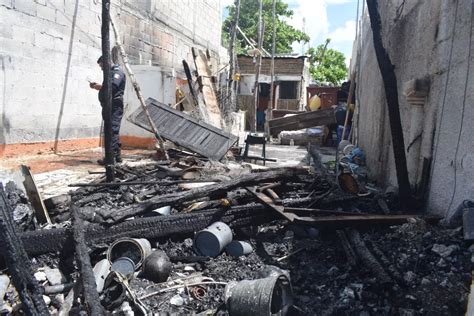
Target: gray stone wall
x,y
425,39
49,48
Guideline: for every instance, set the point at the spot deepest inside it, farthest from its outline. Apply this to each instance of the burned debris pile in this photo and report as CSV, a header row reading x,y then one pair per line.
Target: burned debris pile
x,y
192,236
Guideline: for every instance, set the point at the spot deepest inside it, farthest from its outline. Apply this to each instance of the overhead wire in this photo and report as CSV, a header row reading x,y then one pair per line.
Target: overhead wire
x,y
443,106
463,110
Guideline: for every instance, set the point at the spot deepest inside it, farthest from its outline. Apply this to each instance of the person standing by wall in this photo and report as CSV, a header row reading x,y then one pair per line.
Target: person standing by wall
x,y
118,88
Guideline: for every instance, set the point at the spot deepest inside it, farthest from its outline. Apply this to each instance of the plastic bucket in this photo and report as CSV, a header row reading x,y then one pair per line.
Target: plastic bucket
x,y
124,265
134,249
269,296
213,239
239,248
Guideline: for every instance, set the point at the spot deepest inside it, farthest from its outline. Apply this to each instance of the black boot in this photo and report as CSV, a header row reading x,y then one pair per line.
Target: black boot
x,y
118,156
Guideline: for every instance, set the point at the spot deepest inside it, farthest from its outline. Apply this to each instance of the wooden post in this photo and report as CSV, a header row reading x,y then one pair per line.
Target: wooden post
x,y
349,100
136,86
253,116
391,92
269,114
232,56
107,91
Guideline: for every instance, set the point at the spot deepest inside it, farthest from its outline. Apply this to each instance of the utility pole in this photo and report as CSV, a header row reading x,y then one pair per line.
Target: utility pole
x,y
107,91
232,57
391,93
269,114
253,120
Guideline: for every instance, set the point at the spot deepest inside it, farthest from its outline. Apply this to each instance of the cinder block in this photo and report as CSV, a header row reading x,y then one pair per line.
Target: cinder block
x,y
28,7
23,34
11,46
57,4
45,12
6,3
62,18
5,31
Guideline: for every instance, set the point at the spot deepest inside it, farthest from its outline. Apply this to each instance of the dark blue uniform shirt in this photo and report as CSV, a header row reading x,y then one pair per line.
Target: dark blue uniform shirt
x,y
118,84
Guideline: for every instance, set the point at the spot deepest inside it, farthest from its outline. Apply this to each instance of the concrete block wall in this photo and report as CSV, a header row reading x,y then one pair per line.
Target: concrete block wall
x,y
425,39
49,48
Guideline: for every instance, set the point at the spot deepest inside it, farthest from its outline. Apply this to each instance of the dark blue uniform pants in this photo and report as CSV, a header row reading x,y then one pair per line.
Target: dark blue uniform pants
x,y
117,114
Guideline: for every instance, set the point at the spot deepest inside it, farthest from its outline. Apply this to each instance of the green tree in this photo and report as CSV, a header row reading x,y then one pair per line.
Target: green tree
x,y
327,64
248,23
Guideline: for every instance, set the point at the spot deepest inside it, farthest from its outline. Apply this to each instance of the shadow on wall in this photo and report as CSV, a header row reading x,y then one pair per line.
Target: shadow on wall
x,y
66,77
5,126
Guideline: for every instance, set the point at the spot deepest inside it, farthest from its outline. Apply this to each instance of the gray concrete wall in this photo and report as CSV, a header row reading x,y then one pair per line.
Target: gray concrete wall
x,y
49,48
425,39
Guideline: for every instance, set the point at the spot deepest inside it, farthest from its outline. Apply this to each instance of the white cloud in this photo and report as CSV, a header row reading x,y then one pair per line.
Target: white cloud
x,y
344,34
316,20
225,3
337,1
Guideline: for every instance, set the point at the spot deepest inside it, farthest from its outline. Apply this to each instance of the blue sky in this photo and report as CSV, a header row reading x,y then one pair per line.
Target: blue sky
x,y
324,18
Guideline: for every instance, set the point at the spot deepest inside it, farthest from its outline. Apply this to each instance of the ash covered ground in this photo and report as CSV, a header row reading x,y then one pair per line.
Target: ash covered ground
x,y
427,266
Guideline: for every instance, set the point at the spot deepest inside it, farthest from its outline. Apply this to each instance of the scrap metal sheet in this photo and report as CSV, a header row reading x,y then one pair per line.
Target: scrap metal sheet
x,y
184,130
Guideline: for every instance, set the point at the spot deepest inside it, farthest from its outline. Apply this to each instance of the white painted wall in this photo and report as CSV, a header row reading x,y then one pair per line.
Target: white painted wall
x,y
49,48
154,83
430,38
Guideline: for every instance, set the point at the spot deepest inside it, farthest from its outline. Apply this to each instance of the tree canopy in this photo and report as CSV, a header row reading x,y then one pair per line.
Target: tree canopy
x,y
248,23
327,64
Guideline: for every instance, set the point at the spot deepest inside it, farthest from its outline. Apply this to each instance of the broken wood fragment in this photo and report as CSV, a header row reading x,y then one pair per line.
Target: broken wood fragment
x,y
316,211
19,266
360,220
207,87
117,184
89,287
136,86
34,196
301,121
54,240
346,246
113,216
368,259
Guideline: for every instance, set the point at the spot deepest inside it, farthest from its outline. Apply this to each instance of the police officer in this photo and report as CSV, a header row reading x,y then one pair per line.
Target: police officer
x,y
118,88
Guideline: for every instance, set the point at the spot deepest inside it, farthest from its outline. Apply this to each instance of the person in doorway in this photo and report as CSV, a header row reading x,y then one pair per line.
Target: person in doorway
x,y
118,88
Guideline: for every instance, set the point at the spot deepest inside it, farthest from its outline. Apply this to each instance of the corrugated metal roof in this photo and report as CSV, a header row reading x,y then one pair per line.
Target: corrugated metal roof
x,y
279,56
184,130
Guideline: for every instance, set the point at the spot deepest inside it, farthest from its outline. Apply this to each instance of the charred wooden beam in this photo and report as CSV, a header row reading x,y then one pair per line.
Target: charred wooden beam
x,y
368,258
91,297
114,216
117,184
344,221
315,211
346,246
387,70
19,266
303,120
55,240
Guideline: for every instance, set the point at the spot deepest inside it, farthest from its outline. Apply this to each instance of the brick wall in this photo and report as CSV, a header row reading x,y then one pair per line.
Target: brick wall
x,y
49,48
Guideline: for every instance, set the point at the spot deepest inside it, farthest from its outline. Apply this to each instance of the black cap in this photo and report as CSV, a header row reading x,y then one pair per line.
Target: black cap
x,y
101,59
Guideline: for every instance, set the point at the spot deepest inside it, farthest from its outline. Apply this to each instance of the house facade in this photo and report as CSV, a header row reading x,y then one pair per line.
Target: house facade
x,y
289,83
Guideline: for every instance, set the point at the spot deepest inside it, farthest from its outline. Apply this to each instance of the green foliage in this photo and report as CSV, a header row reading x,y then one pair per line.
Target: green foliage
x,y
327,64
248,23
